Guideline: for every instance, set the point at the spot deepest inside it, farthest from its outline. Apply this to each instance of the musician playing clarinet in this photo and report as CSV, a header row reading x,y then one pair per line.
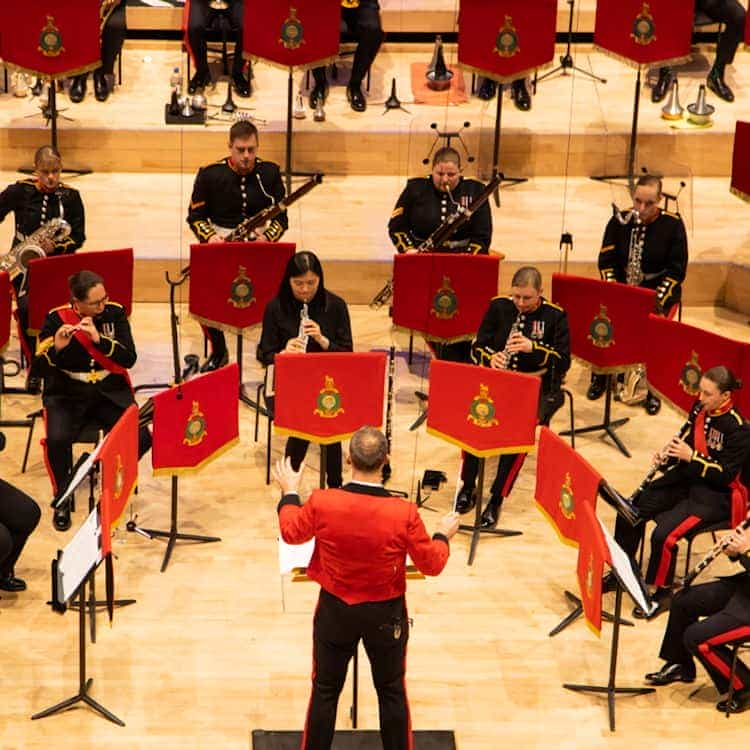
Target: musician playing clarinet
x,y
523,333
725,605
699,467
646,247
224,194
306,317
84,352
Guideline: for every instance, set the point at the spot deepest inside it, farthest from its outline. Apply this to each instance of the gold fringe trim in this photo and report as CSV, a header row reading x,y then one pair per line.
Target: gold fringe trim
x,y
291,68
455,340
509,450
315,438
569,542
46,76
741,194
181,471
223,326
651,64
506,79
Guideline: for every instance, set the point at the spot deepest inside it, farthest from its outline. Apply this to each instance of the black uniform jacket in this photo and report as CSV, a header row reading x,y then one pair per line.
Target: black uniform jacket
x,y
328,310
33,207
728,443
422,208
223,197
362,536
116,343
663,260
739,604
547,327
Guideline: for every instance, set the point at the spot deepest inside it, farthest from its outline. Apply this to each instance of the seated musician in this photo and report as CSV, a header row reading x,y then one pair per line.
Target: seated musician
x,y
725,605
325,329
694,491
19,516
114,31
523,333
202,17
645,248
362,19
224,194
84,352
35,201
732,15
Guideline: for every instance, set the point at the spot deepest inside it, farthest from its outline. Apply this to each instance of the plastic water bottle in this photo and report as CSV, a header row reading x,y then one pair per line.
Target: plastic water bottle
x,y
175,81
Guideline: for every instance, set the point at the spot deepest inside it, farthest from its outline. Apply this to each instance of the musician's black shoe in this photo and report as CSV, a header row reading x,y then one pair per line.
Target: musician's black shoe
x,y
356,98
596,387
11,583
487,89
36,89
318,94
715,81
61,518
466,500
77,90
659,603
101,87
491,513
215,361
520,94
199,81
651,404
241,85
662,85
192,365
740,702
672,672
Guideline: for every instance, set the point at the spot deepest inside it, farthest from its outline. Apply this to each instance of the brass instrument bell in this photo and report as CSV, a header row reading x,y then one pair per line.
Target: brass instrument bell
x,y
672,110
439,77
700,112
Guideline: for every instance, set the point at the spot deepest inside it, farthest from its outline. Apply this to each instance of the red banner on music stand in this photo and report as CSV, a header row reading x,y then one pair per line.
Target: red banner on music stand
x,y
51,39
747,29
5,305
443,296
740,184
506,39
327,397
48,280
644,33
195,422
484,411
606,320
299,34
593,552
679,354
118,456
564,482
231,282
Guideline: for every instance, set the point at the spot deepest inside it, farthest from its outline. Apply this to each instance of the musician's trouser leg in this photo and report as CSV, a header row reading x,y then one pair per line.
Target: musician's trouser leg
x,y
113,36
672,525
19,516
508,467
469,471
296,449
217,340
198,20
364,23
28,342
235,22
732,15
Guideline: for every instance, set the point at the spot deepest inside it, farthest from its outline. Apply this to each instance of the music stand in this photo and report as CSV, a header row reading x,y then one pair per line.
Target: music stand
x,y
485,412
237,280
606,321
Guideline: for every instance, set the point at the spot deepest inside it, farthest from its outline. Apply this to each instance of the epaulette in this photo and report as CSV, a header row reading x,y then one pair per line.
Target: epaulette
x,y
670,214
66,186
27,181
59,307
115,304
738,417
552,304
503,296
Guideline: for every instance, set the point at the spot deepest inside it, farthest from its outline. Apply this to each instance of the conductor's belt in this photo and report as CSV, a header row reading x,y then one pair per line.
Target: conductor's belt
x,y
92,376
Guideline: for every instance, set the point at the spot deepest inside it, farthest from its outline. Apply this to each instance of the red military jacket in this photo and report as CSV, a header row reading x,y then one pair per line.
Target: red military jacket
x,y
362,536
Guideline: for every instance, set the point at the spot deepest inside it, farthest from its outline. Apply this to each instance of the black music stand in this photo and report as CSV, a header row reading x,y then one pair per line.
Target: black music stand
x,y
577,612
496,150
610,689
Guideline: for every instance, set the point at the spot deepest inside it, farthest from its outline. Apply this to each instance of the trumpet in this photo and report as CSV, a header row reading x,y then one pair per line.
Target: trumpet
x,y
303,316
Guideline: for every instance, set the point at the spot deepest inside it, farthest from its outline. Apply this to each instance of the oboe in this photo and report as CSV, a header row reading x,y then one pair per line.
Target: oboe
x,y
303,316
713,553
386,470
681,435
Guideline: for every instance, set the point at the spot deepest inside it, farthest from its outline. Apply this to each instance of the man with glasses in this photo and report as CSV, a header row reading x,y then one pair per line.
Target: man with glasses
x,y
644,247
84,351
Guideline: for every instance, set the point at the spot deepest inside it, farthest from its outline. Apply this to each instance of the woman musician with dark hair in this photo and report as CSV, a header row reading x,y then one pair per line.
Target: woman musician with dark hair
x,y
699,467
305,317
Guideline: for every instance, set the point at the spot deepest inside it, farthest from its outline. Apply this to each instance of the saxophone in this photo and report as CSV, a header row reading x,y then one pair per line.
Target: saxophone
x,y
633,271
16,261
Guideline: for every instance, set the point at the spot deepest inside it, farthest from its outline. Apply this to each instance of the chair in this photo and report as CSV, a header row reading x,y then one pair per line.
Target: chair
x,y
267,394
743,645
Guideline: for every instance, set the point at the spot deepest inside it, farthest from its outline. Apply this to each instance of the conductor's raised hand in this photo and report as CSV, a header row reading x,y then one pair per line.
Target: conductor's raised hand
x,y
285,476
448,525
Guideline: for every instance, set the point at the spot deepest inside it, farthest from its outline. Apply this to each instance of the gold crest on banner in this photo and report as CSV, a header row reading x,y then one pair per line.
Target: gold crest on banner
x,y
644,29
445,301
482,409
195,427
292,31
690,376
328,403
567,498
242,293
506,42
50,39
601,333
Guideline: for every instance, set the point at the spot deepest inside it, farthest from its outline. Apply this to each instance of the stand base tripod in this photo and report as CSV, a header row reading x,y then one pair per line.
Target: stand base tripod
x,y
578,612
608,425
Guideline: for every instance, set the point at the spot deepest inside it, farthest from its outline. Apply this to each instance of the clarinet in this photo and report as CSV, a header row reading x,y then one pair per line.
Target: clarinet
x,y
713,553
681,435
516,327
386,470
303,316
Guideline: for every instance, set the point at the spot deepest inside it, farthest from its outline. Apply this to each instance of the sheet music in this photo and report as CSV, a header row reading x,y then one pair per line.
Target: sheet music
x,y
294,555
82,553
624,570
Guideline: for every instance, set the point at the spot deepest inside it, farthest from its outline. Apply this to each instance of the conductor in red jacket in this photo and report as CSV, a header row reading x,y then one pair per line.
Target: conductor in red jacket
x,y
362,537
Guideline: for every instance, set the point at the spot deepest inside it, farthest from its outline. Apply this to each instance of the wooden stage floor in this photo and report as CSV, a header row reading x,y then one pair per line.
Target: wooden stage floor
x,y
219,644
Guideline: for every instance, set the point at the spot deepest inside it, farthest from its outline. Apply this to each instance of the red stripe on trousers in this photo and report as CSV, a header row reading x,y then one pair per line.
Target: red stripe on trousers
x,y
512,474
667,549
737,634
